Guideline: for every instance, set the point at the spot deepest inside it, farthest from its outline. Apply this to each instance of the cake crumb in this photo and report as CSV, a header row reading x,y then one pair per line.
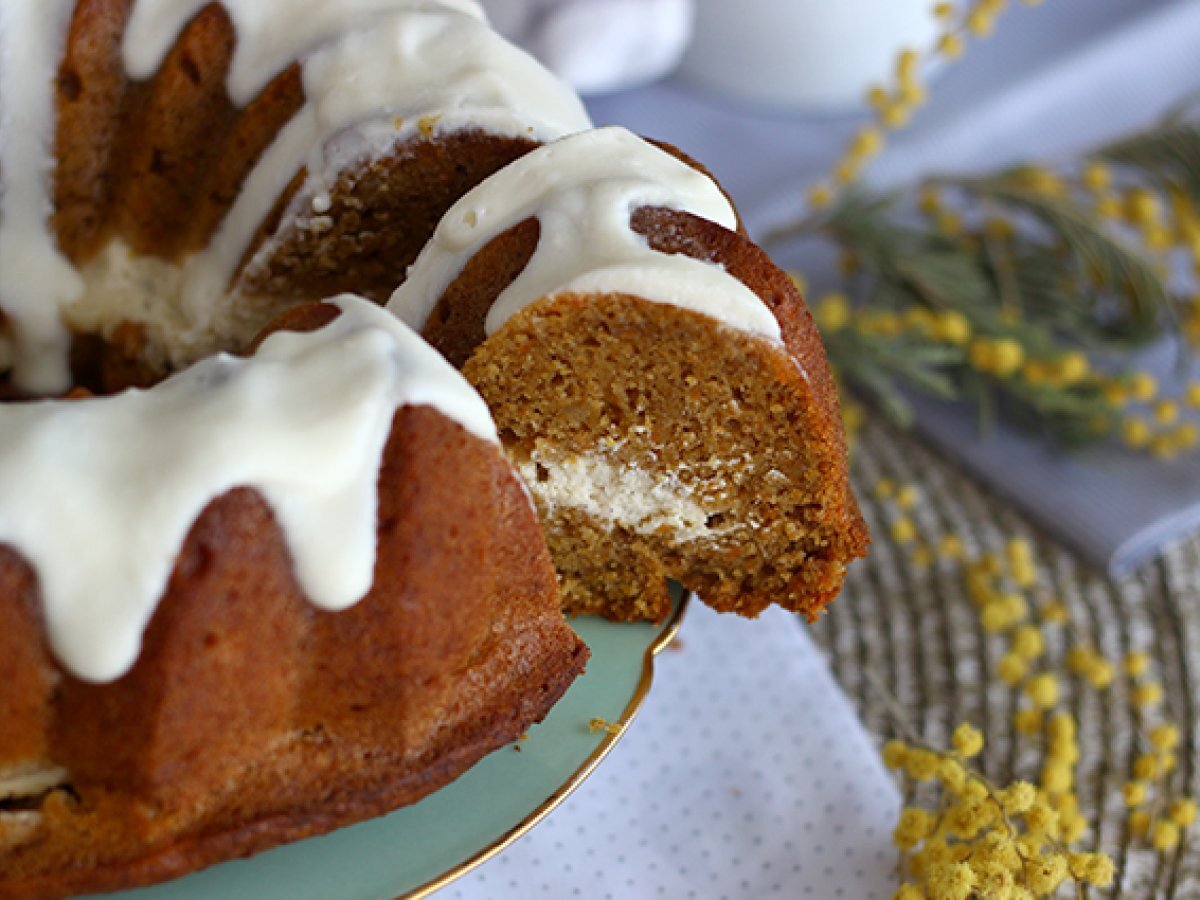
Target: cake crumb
x,y
598,724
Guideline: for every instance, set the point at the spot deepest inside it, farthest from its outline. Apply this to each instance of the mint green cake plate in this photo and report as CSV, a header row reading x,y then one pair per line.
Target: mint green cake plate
x,y
416,850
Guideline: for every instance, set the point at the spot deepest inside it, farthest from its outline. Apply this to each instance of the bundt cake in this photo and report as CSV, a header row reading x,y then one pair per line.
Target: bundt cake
x,y
260,705
264,567
655,378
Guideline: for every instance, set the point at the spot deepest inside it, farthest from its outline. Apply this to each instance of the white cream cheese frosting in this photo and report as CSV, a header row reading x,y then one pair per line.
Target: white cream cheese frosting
x,y
583,189
381,67
98,495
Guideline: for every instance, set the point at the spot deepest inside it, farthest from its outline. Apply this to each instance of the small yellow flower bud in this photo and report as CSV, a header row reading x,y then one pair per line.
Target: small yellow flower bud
x,y
1145,767
1073,367
980,22
922,557
1072,826
906,65
1191,394
1028,721
1186,436
948,222
1165,835
1041,820
877,96
906,497
1135,433
903,530
1016,607
1115,394
1158,237
1108,207
894,114
885,488
1079,658
868,142
1134,793
929,201
950,46
1009,356
952,327
1096,177
1046,873
1183,812
967,740
1136,663
989,564
1043,690
943,11
833,312
913,94
1018,797
1166,412
955,882
952,774
1055,613
1099,673
914,826
1143,386
1012,667
1142,206
921,765
1057,777
950,547
1146,695
1162,447
894,754
820,196
1094,868
1028,642
1062,728
1139,822
1164,737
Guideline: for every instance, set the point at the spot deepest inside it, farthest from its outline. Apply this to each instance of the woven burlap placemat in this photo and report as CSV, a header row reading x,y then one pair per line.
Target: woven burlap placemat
x,y
906,622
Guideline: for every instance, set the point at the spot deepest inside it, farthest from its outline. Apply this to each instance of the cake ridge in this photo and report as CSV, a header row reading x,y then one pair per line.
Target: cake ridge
x,y
584,189
98,494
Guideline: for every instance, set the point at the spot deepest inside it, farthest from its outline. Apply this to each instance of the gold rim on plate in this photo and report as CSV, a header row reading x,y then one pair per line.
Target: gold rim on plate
x,y
669,630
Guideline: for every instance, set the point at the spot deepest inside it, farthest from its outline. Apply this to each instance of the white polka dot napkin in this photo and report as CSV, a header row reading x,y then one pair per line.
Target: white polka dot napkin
x,y
746,774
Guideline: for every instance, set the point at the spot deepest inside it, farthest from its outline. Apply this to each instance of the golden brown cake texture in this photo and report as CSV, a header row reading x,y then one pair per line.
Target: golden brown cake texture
x,y
251,717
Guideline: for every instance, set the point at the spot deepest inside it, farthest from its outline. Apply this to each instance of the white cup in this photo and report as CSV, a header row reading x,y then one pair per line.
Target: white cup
x,y
803,54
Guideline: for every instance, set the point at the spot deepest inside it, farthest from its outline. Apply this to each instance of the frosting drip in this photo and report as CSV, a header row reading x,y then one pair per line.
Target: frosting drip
x,y
387,63
100,503
583,189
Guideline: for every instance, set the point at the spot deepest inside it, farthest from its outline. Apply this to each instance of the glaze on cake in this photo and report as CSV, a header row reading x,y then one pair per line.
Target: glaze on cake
x,y
655,378
284,665
234,141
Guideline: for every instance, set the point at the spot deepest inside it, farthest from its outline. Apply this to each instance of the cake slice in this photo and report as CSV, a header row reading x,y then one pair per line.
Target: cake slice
x,y
656,379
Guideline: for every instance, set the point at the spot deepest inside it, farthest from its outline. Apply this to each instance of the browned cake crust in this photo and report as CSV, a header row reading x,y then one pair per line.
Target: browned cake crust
x,y
679,393
159,163
252,718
